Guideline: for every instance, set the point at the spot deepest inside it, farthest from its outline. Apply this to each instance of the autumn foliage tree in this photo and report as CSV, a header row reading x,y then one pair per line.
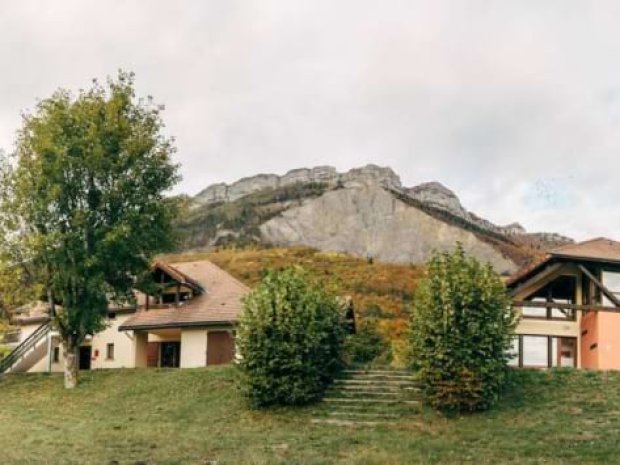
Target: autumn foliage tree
x,y
83,202
462,323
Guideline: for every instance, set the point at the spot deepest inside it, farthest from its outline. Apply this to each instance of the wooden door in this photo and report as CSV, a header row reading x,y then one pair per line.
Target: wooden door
x,y
220,347
152,355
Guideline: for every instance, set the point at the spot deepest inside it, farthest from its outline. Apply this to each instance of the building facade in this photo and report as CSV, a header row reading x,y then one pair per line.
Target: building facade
x,y
570,308
189,322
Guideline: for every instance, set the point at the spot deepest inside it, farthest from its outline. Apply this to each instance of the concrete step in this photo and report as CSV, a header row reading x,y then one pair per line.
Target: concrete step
x,y
379,376
366,400
336,422
377,415
374,386
370,394
375,382
365,407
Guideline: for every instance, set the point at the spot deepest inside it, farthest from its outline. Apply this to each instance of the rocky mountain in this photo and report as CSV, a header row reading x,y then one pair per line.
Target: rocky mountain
x,y
365,212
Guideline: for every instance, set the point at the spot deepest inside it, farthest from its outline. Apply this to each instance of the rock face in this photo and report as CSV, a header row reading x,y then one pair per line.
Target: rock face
x,y
320,174
365,211
366,220
437,195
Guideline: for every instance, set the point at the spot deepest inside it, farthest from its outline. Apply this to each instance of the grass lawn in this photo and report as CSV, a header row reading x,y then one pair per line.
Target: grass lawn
x,y
197,417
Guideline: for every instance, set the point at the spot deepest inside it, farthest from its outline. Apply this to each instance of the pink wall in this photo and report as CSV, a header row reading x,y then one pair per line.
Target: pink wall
x,y
609,341
589,358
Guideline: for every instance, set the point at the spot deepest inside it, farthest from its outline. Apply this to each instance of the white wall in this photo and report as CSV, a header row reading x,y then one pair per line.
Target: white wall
x,y
124,352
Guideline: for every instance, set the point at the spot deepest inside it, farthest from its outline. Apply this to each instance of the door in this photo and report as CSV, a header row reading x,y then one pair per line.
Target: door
x,y
170,352
220,347
85,357
152,354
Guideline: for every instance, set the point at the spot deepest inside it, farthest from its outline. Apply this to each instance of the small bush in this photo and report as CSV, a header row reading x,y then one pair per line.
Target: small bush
x,y
461,327
290,339
366,346
4,351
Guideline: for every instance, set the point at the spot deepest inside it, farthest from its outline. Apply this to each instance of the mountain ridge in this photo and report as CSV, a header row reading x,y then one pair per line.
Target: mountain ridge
x,y
432,193
365,211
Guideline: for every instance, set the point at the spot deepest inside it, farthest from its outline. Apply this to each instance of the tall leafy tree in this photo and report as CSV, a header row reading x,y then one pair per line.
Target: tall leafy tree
x,y
84,202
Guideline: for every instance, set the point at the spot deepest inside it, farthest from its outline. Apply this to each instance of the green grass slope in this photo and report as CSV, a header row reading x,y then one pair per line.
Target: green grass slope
x,y
197,417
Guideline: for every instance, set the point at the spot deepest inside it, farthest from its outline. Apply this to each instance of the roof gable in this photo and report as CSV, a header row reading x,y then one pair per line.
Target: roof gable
x,y
220,304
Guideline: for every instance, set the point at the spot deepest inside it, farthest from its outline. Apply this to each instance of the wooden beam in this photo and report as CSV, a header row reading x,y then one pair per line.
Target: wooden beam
x,y
561,306
610,295
541,276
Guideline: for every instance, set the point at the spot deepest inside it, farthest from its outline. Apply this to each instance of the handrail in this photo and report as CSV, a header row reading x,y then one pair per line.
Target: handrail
x,y
28,343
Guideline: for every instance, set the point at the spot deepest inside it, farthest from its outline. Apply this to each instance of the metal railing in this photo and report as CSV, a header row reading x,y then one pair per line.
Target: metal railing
x,y
22,349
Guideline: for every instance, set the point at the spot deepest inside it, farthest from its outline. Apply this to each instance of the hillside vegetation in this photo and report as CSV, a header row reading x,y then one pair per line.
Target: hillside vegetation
x,y
380,291
150,416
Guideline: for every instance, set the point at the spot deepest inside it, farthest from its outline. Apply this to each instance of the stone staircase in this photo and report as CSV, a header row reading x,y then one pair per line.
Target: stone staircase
x,y
368,397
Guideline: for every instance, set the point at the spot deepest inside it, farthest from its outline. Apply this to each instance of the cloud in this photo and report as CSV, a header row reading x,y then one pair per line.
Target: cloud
x,y
514,105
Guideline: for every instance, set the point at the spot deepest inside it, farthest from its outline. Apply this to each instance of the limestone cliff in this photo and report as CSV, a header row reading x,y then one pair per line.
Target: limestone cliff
x,y
365,211
366,220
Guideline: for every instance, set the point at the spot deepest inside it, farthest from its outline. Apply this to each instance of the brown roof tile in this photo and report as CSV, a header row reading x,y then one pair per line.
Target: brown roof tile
x,y
221,303
598,249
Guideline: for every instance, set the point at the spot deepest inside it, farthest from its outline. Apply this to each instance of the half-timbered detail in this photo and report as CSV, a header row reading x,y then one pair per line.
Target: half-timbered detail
x,y
570,308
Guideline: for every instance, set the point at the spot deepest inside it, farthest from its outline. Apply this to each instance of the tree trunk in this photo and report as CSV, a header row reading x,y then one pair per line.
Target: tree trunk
x,y
71,366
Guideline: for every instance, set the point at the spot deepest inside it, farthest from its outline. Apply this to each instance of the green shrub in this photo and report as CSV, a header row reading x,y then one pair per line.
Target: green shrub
x,y
461,327
290,339
4,351
367,345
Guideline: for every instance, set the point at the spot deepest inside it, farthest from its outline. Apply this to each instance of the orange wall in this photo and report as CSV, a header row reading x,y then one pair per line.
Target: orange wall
x,y
609,341
589,358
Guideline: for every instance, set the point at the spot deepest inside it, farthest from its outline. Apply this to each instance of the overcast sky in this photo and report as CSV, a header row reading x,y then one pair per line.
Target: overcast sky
x,y
513,105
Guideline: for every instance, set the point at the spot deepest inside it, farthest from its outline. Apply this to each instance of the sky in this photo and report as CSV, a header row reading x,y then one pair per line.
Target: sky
x,y
515,106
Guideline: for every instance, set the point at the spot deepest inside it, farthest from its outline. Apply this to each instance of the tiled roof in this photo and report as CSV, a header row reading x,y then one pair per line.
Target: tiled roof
x,y
527,270
221,303
599,249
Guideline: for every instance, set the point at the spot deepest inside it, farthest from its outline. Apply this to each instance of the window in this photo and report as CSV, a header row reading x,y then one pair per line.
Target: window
x,y
56,355
563,352
611,281
110,352
535,312
535,351
545,352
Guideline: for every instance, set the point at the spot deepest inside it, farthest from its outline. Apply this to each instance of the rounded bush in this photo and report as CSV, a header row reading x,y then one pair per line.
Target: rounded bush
x,y
289,339
462,323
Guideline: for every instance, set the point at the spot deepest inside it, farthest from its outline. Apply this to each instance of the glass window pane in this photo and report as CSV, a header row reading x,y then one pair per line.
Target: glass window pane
x,y
568,354
562,313
611,281
535,312
555,351
535,351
